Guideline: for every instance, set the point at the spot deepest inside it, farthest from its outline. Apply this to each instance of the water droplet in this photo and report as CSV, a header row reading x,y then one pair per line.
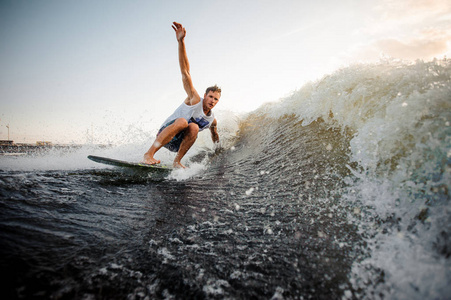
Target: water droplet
x,y
249,191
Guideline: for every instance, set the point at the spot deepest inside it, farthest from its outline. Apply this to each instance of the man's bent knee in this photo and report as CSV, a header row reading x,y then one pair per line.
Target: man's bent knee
x,y
193,129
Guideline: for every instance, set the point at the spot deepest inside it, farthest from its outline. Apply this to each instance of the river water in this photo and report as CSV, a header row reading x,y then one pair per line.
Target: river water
x,y
339,191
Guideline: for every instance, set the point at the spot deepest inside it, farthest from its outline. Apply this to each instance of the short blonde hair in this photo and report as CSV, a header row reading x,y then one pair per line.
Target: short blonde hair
x,y
214,88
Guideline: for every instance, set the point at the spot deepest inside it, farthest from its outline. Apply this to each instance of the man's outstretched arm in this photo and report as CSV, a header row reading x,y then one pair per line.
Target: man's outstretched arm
x,y
193,96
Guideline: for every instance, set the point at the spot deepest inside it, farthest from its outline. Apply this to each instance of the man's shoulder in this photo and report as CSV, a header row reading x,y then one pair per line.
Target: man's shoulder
x,y
193,100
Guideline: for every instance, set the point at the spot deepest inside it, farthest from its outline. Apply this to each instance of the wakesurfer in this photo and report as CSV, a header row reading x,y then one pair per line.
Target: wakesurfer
x,y
179,131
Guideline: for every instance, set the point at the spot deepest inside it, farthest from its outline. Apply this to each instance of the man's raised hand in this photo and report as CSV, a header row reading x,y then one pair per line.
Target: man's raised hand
x,y
180,31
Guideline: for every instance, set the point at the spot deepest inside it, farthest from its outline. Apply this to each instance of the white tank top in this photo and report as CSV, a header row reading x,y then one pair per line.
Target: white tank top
x,y
192,114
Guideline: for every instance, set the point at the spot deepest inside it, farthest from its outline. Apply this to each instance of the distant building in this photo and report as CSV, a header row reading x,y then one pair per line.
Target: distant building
x,y
44,143
6,143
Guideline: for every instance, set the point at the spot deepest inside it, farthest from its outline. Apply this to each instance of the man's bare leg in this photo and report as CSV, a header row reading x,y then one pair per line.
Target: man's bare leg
x,y
189,138
163,138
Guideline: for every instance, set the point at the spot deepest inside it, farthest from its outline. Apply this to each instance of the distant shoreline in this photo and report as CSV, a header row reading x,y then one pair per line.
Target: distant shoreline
x,y
24,149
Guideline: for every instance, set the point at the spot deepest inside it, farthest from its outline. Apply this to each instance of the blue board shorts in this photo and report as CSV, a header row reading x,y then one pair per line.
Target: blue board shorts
x,y
174,144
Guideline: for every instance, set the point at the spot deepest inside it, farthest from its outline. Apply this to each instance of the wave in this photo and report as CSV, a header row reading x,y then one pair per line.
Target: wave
x,y
393,122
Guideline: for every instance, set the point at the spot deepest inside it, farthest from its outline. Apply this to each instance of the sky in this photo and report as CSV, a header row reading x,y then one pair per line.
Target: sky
x,y
79,71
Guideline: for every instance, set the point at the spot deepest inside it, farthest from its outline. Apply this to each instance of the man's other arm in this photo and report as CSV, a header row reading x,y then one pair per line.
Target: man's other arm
x,y
214,132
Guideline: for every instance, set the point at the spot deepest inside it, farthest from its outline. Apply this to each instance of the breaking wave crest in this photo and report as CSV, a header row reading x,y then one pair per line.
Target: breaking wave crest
x,y
393,122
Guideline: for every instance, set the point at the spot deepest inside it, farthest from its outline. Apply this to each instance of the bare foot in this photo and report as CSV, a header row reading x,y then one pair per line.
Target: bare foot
x,y
148,159
178,165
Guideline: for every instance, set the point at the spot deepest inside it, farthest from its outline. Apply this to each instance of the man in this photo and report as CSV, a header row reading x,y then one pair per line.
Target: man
x,y
179,131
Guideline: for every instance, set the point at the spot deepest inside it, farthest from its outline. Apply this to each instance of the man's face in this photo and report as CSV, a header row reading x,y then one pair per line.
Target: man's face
x,y
211,99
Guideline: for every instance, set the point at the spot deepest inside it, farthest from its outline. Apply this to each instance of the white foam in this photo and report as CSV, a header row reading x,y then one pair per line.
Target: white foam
x,y
192,170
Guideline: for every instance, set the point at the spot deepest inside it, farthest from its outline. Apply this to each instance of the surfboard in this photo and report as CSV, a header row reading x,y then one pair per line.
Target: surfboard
x,y
131,165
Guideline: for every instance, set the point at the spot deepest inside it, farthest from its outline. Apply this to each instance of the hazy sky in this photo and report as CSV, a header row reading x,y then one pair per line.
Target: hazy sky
x,y
70,68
